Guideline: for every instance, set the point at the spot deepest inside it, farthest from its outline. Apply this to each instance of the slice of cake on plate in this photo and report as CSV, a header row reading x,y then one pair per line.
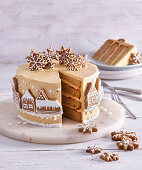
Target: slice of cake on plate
x,y
54,84
115,52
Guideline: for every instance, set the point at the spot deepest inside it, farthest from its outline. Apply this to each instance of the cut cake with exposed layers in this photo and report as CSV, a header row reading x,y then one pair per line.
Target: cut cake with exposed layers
x,y
42,96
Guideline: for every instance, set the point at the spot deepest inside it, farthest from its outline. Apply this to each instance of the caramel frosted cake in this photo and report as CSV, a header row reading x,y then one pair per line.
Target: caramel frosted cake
x,y
51,85
117,53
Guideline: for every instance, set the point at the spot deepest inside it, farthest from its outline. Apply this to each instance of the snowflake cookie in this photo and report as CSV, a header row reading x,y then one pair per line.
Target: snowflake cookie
x,y
119,135
127,144
63,54
72,63
94,149
87,128
135,59
36,61
108,156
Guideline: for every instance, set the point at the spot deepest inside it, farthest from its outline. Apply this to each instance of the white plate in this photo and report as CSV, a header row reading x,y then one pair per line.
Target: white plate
x,y
116,72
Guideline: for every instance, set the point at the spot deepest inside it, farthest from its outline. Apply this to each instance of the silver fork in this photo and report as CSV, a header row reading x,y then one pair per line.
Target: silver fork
x,y
116,98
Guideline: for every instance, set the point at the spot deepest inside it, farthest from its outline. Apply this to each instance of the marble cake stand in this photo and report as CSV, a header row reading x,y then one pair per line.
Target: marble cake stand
x,y
111,118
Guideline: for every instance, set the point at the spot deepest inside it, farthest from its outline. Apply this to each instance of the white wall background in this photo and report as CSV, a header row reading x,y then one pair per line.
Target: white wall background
x,y
82,24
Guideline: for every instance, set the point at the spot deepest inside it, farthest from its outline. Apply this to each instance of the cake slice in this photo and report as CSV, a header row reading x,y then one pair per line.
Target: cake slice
x,y
115,52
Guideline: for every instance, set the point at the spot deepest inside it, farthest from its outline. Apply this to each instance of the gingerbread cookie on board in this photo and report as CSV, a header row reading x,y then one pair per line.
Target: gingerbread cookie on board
x,y
119,135
127,144
87,128
108,156
94,149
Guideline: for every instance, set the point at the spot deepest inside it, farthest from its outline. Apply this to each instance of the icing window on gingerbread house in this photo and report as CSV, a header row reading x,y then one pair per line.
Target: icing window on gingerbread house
x,y
25,106
30,106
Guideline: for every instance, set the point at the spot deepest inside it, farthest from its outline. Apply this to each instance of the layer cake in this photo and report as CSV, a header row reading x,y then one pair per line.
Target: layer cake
x,y
44,95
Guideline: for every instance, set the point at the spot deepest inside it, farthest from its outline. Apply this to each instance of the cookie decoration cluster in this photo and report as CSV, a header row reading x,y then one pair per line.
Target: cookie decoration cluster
x,y
38,61
71,60
87,128
94,149
135,59
41,60
109,156
106,156
120,135
126,140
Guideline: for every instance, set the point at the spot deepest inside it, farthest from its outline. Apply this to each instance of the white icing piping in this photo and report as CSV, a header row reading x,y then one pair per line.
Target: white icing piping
x,y
57,125
27,95
47,103
42,116
92,118
100,95
92,108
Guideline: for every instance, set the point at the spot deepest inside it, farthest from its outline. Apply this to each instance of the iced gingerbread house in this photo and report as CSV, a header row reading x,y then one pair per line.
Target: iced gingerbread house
x,y
94,94
28,101
44,105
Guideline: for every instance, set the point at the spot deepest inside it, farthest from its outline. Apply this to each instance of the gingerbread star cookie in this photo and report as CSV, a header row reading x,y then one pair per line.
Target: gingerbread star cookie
x,y
108,156
119,135
87,128
127,144
94,149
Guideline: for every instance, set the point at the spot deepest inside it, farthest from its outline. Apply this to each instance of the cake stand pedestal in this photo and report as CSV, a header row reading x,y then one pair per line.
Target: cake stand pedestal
x,y
111,118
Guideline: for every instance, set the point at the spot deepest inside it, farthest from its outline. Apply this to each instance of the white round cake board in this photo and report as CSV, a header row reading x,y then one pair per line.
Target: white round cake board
x,y
112,118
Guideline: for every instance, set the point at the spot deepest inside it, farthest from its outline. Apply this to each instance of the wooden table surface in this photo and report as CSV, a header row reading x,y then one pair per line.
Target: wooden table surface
x,y
84,25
